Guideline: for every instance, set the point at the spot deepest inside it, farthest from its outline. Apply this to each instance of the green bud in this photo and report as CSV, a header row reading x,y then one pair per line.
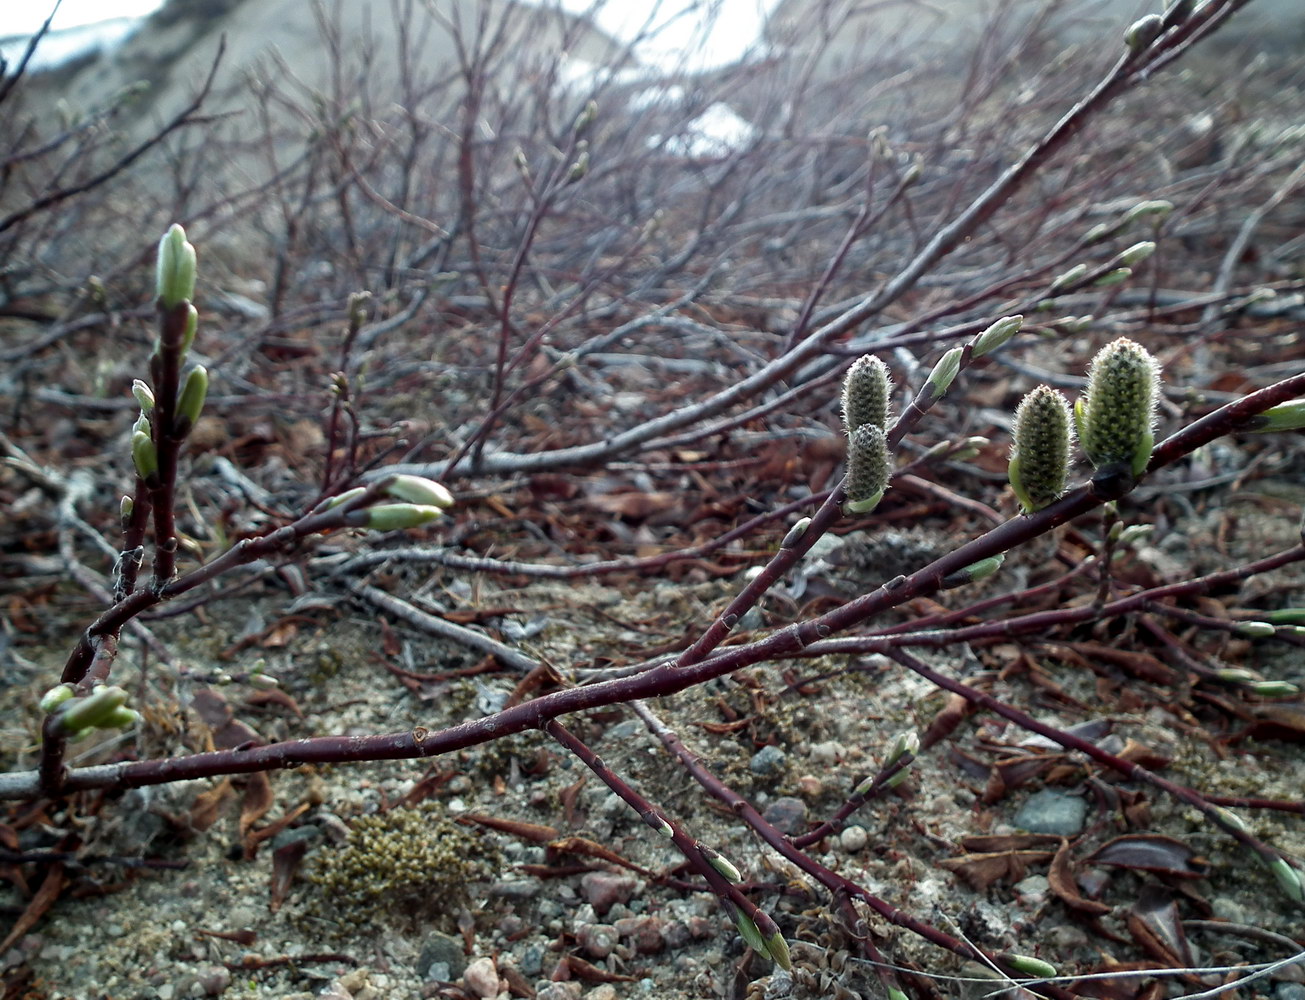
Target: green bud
x,y
1288,879
357,308
1073,324
345,497
1116,277
865,394
1116,415
1274,689
721,864
1134,255
94,711
142,426
144,395
190,403
392,516
586,118
906,744
1235,675
1157,209
120,718
913,173
1133,533
126,507
579,168
419,490
895,994
868,469
263,681
1039,461
1067,278
944,372
1100,232
1284,616
748,930
1142,32
145,456
175,276
1288,416
795,533
1031,966
55,697
1232,819
973,573
1255,630
778,949
996,335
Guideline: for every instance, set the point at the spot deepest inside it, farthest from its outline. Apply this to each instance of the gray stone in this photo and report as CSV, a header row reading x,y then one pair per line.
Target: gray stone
x,y
787,815
603,889
1052,812
441,948
1289,991
853,839
532,961
767,761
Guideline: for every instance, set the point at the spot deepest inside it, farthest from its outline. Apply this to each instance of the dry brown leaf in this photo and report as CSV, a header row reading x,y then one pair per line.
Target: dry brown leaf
x,y
984,870
258,800
536,832
1060,876
36,907
1151,852
207,806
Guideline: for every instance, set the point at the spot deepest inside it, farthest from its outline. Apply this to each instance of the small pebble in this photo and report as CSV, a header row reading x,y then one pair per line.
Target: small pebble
x,y
597,940
645,933
604,889
786,814
768,760
1054,812
558,991
853,839
481,978
604,992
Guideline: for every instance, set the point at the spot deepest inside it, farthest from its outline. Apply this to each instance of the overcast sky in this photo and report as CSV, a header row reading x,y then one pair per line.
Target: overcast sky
x,y
737,25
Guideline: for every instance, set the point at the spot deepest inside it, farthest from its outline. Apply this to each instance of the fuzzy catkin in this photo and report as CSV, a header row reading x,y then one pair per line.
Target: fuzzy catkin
x,y
1039,463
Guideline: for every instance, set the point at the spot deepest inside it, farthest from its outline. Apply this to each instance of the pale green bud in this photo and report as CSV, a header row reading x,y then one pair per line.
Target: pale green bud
x,y
190,403
1232,819
345,497
126,507
1116,415
1116,277
1100,232
1039,461
579,168
945,371
144,395
1288,416
419,490
55,697
778,949
1029,966
1255,630
94,711
722,864
264,682
1142,32
865,394
913,173
1235,675
868,468
120,718
973,573
1274,689
144,456
142,426
906,743
1284,616
175,276
1288,879
393,516
795,533
1073,324
996,335
1067,278
1134,533
586,118
1156,209
748,931
895,994
1134,255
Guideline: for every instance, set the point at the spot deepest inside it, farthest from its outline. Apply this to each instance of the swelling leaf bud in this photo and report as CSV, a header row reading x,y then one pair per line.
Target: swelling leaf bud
x,y
1116,415
1067,278
94,711
188,335
778,949
1255,630
175,275
190,404
973,573
722,864
144,395
145,456
996,335
1288,416
795,533
55,697
419,490
906,744
1288,879
393,516
1142,32
945,371
867,469
1134,255
1031,966
1155,210
865,394
1039,461
1116,277
748,931
1274,689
